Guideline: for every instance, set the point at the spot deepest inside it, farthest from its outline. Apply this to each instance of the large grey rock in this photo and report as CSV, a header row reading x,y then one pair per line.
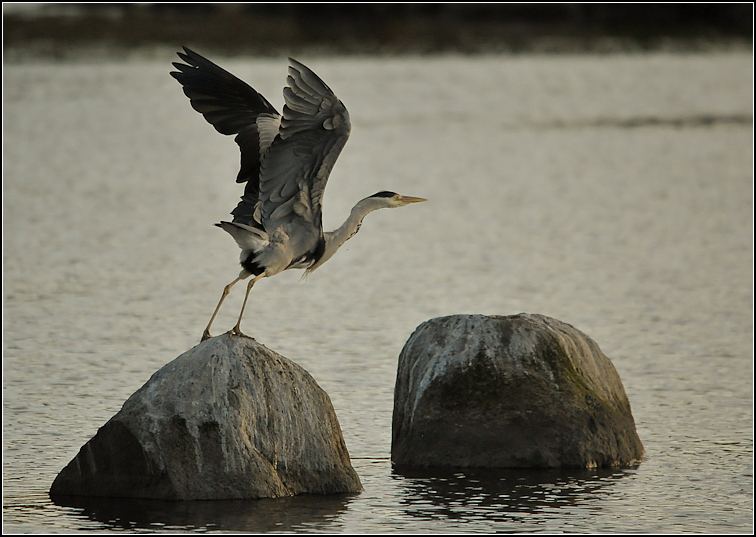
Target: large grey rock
x,y
517,391
227,419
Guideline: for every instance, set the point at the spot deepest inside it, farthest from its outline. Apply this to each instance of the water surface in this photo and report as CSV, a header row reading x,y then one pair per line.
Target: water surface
x,y
611,192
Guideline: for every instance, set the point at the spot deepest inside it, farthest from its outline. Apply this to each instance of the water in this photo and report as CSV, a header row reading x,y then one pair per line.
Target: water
x,y
613,192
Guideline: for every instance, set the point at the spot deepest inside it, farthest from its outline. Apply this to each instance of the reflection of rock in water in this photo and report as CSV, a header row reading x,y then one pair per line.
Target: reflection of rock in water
x,y
497,494
253,516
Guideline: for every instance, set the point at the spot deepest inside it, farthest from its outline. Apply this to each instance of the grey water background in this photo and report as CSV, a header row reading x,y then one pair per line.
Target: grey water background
x,y
613,192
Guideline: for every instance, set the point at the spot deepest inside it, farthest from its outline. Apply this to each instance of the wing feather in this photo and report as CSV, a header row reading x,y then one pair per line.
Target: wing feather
x,y
314,129
232,107
285,160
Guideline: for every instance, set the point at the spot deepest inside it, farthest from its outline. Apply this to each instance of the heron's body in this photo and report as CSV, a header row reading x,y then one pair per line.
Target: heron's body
x,y
285,163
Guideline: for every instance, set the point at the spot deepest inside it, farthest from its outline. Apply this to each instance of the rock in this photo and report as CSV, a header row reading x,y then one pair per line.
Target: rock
x,y
228,419
511,392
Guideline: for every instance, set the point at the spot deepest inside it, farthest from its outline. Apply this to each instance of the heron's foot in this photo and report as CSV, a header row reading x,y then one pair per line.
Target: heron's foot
x,y
205,335
236,331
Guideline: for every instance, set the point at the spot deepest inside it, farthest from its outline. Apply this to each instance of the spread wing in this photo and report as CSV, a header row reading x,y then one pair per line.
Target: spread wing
x,y
232,107
294,171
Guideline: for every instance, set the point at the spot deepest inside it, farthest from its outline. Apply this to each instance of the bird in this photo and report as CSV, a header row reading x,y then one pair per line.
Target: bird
x,y
285,163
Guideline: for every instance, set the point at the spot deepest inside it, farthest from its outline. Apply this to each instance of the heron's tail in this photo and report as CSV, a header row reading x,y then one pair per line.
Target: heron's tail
x,y
247,237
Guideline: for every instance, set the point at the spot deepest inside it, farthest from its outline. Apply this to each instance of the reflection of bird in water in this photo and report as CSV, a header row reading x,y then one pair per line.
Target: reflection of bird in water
x,y
285,162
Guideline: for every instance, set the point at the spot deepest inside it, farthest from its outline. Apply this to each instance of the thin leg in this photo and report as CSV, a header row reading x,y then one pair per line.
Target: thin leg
x,y
236,330
206,333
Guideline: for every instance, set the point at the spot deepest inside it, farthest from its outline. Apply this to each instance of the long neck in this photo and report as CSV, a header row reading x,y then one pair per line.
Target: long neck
x,y
336,238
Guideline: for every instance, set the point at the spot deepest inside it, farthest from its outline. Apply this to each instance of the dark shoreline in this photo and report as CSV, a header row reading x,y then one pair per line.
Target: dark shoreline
x,y
74,30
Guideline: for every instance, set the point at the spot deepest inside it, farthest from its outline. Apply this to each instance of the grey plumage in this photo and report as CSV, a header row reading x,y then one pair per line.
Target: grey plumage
x,y
285,163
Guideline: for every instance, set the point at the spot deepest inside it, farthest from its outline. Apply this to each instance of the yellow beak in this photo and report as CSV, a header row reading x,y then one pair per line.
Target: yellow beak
x,y
410,199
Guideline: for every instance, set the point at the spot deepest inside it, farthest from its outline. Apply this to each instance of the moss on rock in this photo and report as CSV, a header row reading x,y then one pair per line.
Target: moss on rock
x,y
519,391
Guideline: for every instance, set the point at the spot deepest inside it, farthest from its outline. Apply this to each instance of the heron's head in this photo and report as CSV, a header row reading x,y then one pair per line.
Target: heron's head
x,y
392,199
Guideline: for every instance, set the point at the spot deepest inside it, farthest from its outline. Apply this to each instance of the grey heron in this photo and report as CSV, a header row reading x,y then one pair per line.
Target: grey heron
x,y
285,163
